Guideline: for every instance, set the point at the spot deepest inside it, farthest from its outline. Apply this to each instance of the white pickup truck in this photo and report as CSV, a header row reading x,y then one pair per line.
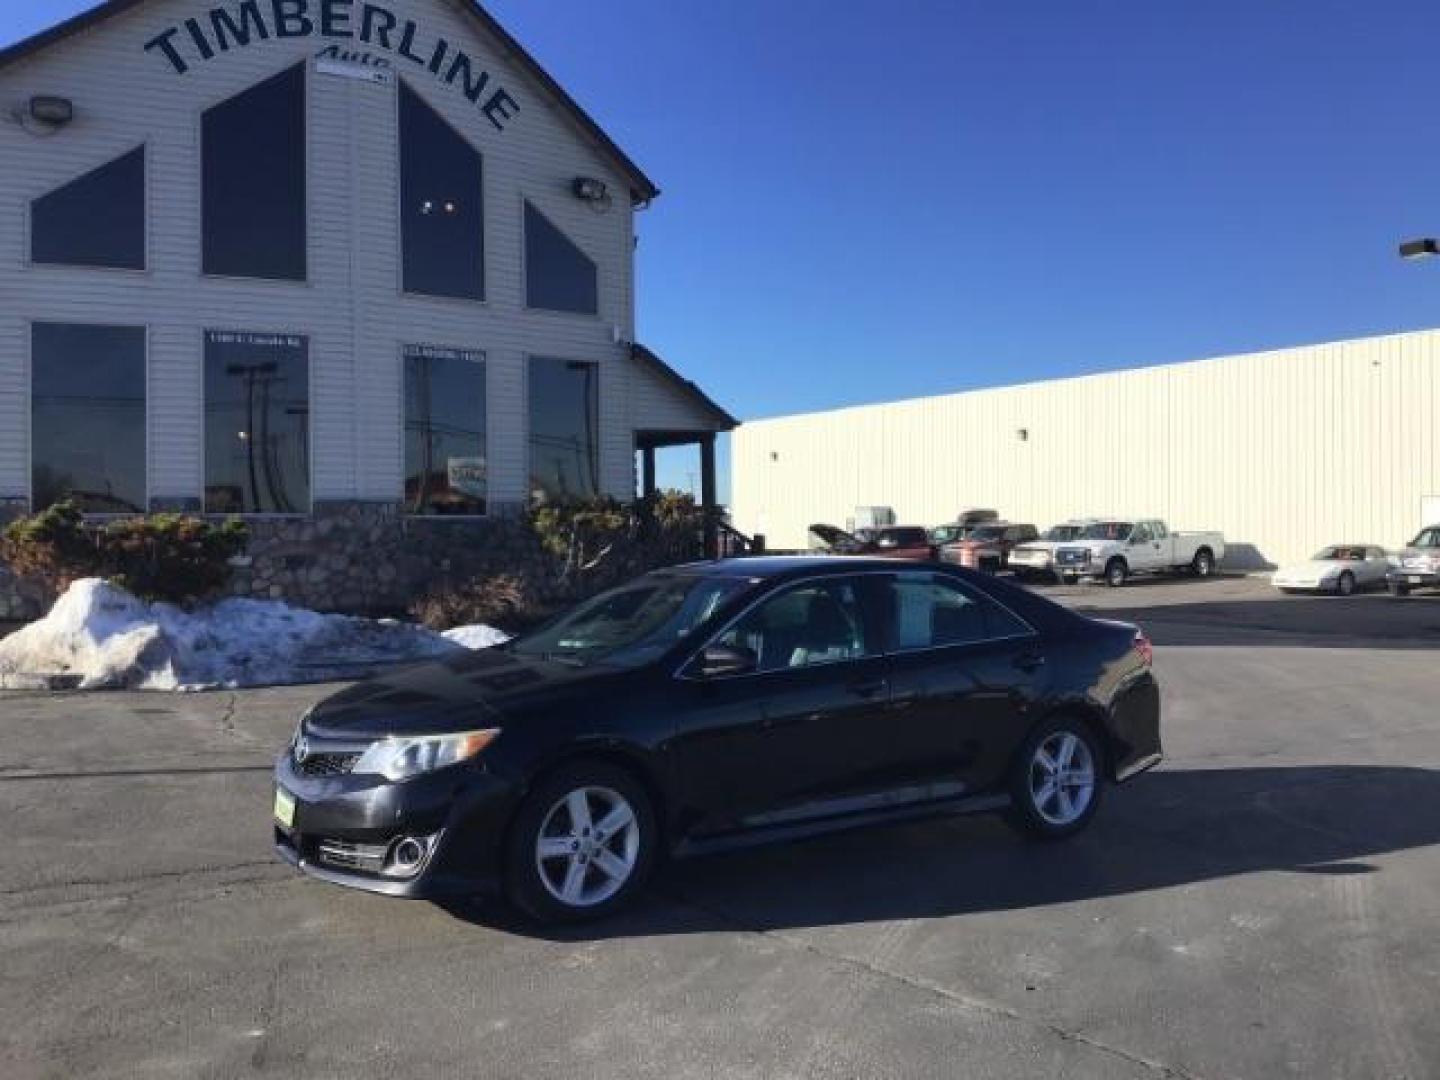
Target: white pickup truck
x,y
1114,549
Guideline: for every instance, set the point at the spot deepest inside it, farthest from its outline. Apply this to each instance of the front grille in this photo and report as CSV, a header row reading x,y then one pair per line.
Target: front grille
x,y
343,855
327,764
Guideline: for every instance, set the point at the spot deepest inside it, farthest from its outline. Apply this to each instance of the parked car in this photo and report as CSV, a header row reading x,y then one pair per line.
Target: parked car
x,y
964,524
1340,568
1418,566
1038,556
893,542
1113,550
904,542
711,706
988,547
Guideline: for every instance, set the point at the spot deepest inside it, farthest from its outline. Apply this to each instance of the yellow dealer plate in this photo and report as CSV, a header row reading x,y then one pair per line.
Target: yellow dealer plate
x,y
284,808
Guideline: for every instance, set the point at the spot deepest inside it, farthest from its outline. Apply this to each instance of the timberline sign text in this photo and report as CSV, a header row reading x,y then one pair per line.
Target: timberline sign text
x,y
240,24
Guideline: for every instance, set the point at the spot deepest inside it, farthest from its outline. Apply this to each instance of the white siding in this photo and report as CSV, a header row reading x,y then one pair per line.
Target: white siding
x,y
351,309
1285,451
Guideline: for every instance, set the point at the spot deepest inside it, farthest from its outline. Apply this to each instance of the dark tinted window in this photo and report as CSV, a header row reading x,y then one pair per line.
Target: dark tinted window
x,y
253,151
564,417
97,220
445,459
257,423
88,417
802,627
932,612
558,275
441,205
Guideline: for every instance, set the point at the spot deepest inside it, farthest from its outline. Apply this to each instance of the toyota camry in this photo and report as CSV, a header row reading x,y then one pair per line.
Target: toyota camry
x,y
710,706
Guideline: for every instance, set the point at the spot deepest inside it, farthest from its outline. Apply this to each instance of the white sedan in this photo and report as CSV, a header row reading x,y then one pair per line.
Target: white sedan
x,y
1342,569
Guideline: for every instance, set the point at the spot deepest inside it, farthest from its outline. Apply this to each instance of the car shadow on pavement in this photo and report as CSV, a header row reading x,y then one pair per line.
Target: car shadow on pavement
x,y
1352,622
1168,828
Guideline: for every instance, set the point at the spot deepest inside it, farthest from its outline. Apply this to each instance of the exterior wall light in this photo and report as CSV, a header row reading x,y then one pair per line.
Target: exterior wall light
x,y
50,110
591,190
1023,434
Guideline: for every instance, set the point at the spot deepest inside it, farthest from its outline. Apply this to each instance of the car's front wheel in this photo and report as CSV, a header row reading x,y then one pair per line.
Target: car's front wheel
x,y
1346,585
582,844
1398,588
1057,780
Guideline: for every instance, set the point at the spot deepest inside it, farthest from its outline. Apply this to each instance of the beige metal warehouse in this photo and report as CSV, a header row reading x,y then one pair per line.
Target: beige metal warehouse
x,y
1284,451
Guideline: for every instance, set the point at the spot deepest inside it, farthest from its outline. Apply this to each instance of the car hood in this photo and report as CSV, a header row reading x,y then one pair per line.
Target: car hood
x,y
837,538
465,691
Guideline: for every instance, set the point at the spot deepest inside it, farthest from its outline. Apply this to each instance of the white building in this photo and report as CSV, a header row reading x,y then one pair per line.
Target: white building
x,y
1284,451
278,257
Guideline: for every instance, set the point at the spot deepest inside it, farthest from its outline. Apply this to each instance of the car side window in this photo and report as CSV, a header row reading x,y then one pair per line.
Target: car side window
x,y
1141,535
821,623
931,612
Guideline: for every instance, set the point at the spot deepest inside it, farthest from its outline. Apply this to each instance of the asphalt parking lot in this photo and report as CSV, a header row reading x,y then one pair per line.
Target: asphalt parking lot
x,y
1262,905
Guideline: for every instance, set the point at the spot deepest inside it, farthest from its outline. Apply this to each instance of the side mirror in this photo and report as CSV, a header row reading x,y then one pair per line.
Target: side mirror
x,y
718,661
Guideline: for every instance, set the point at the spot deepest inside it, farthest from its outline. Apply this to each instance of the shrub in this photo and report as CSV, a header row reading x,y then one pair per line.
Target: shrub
x,y
582,533
169,557
53,546
505,601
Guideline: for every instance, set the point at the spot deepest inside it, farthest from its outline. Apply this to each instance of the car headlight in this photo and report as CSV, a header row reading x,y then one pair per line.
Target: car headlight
x,y
410,755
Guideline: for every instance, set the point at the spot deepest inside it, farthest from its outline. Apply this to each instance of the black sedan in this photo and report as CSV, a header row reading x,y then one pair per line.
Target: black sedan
x,y
710,706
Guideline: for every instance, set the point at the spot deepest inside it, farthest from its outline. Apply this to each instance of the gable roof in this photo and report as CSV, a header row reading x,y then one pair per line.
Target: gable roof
x,y
642,188
722,420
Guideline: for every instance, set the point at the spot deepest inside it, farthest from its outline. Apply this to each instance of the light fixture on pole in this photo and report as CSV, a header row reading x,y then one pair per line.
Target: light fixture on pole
x,y
1420,249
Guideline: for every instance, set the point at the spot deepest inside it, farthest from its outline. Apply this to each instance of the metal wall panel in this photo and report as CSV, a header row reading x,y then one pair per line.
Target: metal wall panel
x,y
1284,451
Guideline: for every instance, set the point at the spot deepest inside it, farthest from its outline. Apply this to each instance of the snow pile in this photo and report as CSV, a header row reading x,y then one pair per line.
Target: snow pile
x,y
110,639
476,637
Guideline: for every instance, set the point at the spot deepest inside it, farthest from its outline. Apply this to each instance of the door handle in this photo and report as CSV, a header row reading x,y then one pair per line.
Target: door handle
x,y
869,689
1030,661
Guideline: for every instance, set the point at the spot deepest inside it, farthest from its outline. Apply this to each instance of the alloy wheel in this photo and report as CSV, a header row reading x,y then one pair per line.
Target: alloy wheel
x,y
587,846
1062,778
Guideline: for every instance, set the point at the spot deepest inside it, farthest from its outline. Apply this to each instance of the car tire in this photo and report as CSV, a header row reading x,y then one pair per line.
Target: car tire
x,y
600,872
1043,806
1116,572
1346,585
1203,565
1398,588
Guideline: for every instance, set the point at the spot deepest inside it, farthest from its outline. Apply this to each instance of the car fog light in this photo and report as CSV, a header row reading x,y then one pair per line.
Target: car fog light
x,y
408,855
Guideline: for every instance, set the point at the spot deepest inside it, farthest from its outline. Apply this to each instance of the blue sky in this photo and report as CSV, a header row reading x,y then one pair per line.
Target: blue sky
x,y
872,200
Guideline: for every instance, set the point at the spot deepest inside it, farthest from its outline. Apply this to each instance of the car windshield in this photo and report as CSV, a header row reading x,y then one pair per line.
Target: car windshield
x,y
987,532
1107,530
1427,538
889,538
633,624
944,534
1340,554
1061,532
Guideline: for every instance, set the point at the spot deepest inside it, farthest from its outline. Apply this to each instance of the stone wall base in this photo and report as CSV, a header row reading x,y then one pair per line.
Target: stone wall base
x,y
361,558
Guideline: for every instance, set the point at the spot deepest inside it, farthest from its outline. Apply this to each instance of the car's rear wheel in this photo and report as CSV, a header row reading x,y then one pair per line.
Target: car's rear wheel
x,y
1203,565
1398,588
1116,572
1346,585
1057,780
582,844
